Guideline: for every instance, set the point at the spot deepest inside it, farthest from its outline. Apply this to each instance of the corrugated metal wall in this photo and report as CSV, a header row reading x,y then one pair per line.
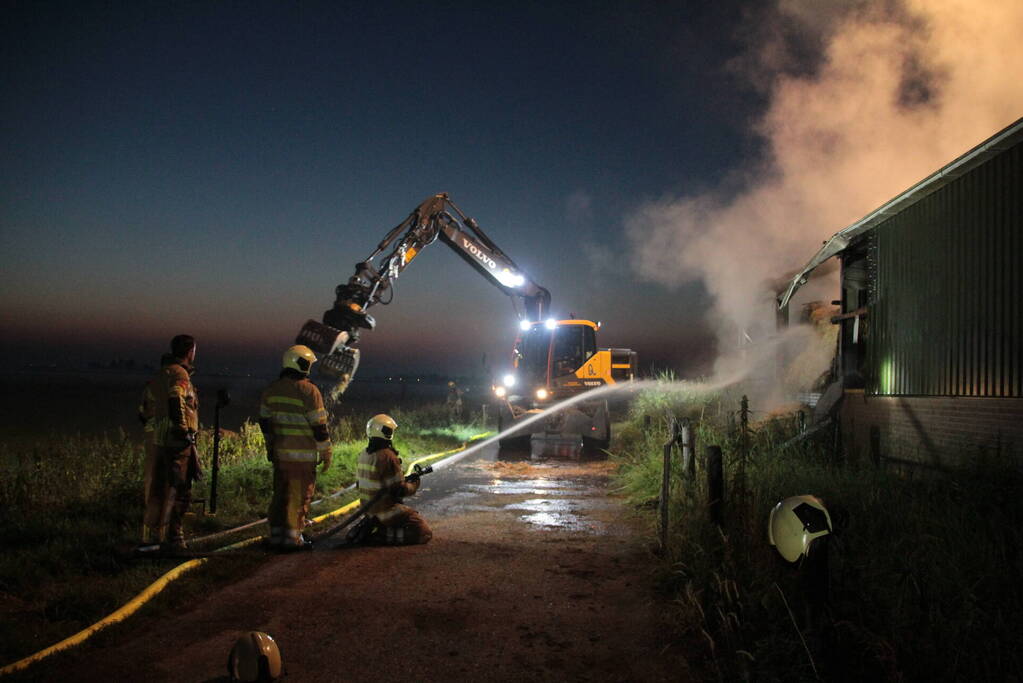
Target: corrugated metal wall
x,y
945,316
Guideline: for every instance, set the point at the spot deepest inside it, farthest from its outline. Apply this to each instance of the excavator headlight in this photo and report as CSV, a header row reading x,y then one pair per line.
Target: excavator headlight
x,y
500,392
509,279
542,394
551,323
525,325
509,381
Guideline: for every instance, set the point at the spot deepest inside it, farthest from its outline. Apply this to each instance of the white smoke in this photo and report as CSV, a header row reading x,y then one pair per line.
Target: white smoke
x,y
900,89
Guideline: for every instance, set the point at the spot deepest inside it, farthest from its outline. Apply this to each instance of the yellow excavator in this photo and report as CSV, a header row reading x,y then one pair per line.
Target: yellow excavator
x,y
552,359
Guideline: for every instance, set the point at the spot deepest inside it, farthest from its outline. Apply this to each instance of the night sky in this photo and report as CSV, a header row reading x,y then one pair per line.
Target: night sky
x,y
218,167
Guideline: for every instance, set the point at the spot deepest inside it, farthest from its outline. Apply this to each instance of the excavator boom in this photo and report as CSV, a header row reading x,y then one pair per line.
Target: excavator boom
x,y
372,284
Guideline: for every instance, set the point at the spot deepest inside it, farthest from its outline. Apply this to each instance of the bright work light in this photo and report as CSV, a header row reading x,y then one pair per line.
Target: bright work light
x,y
525,325
509,279
500,392
542,394
509,380
551,323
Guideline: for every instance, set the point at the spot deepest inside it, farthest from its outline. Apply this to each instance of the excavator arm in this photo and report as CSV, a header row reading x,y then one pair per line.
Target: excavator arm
x,y
437,217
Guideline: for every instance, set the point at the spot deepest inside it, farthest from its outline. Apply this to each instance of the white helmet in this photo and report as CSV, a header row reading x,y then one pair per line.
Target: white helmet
x,y
381,426
254,657
299,357
795,522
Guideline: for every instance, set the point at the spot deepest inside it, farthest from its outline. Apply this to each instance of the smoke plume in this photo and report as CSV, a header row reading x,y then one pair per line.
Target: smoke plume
x,y
863,100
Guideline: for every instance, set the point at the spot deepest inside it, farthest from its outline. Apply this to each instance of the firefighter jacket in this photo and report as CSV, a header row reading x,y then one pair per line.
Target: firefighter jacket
x,y
147,406
175,406
380,470
296,421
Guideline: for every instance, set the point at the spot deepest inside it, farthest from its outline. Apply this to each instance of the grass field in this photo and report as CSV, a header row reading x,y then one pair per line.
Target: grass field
x,y
924,569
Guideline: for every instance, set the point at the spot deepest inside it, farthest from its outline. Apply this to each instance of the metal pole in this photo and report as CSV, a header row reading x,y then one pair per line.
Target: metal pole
x,y
216,458
223,398
715,484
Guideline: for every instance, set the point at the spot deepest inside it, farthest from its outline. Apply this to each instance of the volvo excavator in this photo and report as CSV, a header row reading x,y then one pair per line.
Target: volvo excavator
x,y
552,359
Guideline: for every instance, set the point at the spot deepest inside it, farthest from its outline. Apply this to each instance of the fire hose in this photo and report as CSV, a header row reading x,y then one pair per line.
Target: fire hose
x,y
157,586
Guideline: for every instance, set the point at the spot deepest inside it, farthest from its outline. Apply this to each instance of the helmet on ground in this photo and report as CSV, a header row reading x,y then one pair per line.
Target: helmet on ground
x,y
299,357
381,426
254,657
795,522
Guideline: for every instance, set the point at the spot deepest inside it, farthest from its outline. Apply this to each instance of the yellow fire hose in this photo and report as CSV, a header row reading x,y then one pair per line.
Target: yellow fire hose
x,y
154,588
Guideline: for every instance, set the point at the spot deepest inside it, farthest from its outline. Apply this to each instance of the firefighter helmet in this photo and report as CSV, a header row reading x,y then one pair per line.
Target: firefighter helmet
x,y
381,426
795,522
299,357
254,657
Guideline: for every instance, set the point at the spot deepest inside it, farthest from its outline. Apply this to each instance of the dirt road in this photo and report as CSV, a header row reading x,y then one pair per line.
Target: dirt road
x,y
535,573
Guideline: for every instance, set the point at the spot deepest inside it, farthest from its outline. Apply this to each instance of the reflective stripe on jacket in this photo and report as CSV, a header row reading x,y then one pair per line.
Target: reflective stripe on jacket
x,y
293,408
381,470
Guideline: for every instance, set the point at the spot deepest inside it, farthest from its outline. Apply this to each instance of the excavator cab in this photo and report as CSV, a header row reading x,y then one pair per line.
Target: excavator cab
x,y
555,360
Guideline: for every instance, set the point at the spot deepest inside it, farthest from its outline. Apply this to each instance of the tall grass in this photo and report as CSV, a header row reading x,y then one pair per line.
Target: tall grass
x,y
925,569
68,502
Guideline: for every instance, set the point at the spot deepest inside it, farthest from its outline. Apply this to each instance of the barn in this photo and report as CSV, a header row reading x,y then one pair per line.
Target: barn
x,y
929,367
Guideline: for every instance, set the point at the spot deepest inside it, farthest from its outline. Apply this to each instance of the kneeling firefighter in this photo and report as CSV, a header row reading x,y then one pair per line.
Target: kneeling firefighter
x,y
379,472
294,425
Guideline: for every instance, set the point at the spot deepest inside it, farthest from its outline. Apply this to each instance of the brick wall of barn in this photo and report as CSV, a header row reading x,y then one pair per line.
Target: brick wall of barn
x,y
940,432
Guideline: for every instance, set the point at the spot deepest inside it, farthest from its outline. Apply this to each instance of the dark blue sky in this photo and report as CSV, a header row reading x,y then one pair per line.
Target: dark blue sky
x,y
218,168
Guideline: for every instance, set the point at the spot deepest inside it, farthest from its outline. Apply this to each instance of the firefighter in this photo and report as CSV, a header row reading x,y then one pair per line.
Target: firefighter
x,y
294,425
454,401
152,500
379,469
175,425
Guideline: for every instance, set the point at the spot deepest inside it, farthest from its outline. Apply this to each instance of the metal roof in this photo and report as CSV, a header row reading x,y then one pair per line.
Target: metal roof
x,y
991,147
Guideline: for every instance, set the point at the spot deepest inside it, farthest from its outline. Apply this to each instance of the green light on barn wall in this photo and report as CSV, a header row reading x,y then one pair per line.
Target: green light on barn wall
x,y
887,376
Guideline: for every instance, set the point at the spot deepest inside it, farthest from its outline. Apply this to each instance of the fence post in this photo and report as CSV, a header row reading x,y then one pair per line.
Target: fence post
x,y
715,484
666,482
740,477
688,450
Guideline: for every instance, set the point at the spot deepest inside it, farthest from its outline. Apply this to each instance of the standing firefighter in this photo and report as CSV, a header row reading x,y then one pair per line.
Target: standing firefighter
x,y
454,401
151,496
175,424
294,425
379,470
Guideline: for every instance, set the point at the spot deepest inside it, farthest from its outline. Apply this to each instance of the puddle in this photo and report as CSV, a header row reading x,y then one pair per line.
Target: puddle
x,y
556,514
565,521
531,487
545,504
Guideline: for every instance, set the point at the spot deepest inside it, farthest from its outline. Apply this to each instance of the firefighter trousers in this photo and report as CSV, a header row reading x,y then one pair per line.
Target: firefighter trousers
x,y
168,493
294,484
151,498
405,528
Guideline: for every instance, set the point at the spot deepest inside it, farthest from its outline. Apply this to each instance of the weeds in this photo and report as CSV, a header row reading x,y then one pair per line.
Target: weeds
x,y
924,570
